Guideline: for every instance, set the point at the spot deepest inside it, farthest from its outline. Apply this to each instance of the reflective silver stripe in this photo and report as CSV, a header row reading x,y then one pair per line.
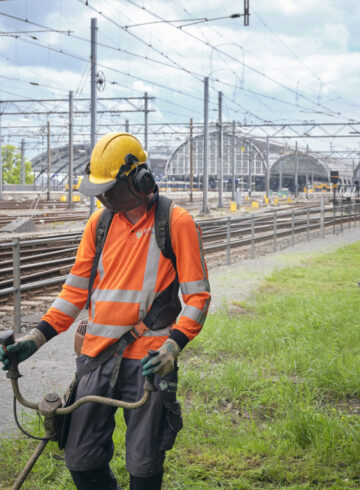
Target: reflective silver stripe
x,y
92,305
118,295
116,332
195,287
196,314
66,307
192,312
77,281
150,275
109,331
204,312
157,333
100,268
201,250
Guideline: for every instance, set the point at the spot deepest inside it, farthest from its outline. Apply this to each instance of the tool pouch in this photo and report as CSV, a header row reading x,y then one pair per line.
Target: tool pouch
x,y
171,420
63,421
170,425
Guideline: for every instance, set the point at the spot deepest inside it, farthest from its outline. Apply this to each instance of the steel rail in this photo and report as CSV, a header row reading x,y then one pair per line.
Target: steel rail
x,y
37,256
289,223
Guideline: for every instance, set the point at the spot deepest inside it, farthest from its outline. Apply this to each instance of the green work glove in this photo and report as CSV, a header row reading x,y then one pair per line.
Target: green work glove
x,y
24,348
161,361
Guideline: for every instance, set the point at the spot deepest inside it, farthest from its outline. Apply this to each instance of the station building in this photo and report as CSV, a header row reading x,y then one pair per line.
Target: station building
x,y
251,160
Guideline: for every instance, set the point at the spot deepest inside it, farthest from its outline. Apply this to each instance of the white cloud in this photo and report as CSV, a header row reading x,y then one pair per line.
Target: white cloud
x,y
308,47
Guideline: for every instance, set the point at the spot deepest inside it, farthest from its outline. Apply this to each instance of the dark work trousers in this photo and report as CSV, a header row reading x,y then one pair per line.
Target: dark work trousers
x,y
89,444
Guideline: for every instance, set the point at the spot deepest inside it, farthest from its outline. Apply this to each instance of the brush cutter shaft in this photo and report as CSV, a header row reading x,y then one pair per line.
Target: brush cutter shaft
x,y
28,467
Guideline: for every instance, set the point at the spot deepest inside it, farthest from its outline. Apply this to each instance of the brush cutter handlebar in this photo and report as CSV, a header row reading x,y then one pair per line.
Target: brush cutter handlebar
x,y
51,405
7,338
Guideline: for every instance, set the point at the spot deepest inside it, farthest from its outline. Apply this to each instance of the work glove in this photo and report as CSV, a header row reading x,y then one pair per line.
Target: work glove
x,y
161,361
24,348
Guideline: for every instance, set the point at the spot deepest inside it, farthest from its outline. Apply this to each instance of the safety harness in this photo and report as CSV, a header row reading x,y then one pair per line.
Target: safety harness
x,y
166,306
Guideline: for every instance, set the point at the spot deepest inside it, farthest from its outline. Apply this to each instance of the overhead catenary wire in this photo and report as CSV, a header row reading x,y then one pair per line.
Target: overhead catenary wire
x,y
230,100
68,33
138,38
196,75
115,70
258,72
236,44
101,44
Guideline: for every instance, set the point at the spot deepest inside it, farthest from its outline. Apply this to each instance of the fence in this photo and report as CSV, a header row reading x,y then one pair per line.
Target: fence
x,y
252,229
218,235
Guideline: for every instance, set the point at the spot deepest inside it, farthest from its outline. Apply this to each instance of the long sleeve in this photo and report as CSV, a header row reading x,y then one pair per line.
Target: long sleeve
x,y
74,293
193,276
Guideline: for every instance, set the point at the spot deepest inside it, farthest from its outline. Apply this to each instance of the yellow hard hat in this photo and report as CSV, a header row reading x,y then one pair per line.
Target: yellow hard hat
x,y
109,162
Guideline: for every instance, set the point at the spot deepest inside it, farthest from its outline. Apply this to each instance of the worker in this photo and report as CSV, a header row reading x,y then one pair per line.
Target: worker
x,y
131,273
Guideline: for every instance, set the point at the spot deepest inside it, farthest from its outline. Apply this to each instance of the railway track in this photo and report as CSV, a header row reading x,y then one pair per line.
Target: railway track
x,y
49,217
45,263
54,255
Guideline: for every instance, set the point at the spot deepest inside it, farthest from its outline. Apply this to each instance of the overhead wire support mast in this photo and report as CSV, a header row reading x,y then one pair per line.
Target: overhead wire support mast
x,y
93,103
246,13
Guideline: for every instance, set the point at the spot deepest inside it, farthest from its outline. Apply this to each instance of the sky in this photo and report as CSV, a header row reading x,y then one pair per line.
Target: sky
x,y
295,62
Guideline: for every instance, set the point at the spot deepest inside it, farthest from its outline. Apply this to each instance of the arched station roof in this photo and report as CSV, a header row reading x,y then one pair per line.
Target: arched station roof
x,y
245,150
60,160
253,150
307,165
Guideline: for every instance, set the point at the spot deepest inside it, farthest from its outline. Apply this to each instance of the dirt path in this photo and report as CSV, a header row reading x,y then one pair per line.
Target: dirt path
x,y
51,369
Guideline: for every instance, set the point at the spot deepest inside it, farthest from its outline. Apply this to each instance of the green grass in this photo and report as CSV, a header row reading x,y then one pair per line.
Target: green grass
x,y
271,397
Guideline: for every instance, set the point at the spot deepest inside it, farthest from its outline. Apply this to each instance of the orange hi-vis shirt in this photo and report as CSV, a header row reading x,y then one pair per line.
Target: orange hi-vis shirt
x,y
132,271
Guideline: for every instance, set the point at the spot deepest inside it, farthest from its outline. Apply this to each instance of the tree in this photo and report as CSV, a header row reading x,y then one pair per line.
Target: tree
x,y
11,163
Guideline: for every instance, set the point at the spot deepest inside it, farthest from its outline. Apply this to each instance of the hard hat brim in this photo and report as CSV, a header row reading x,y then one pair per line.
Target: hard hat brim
x,y
91,189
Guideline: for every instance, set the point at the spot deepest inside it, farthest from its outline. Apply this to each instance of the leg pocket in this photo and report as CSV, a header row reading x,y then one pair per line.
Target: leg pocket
x,y
171,423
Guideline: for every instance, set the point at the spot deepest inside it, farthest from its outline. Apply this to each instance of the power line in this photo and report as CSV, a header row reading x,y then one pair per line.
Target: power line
x,y
192,21
146,81
80,58
69,34
32,83
234,59
85,2
196,75
287,47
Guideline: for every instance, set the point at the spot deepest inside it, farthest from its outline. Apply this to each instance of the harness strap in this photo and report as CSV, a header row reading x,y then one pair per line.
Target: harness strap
x,y
102,229
117,349
163,216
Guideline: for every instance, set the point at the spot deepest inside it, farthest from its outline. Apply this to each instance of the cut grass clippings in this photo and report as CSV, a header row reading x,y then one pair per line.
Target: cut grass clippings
x,y
271,397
